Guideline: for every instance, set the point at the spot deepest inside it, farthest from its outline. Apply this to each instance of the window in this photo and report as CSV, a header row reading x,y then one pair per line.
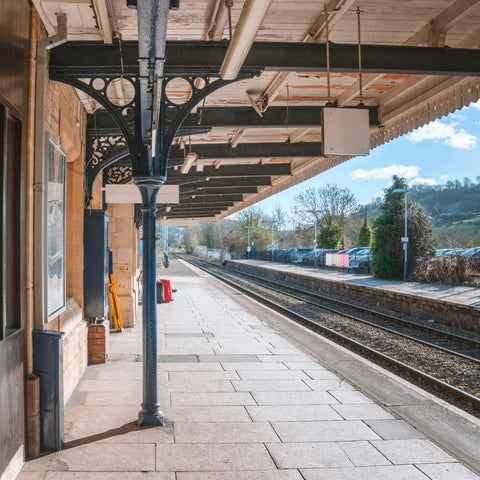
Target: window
x,y
10,158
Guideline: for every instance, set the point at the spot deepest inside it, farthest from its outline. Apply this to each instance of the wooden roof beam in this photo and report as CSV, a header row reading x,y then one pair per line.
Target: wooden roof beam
x,y
413,86
251,19
218,21
103,20
335,10
426,35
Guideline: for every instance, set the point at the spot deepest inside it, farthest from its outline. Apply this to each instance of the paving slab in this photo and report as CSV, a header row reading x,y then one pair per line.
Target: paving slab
x,y
292,413
104,457
363,454
253,366
270,386
308,455
447,471
202,376
412,451
209,413
206,458
364,411
110,476
190,367
240,475
237,398
244,433
402,472
324,431
272,374
294,398
394,429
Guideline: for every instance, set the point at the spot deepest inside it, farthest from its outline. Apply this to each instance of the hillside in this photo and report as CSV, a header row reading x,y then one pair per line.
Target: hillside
x,y
454,209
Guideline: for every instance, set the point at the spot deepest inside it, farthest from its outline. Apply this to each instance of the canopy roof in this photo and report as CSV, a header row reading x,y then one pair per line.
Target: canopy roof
x,y
258,136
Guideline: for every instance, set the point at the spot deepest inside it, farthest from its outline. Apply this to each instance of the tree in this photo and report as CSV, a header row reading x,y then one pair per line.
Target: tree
x,y
190,236
334,202
250,216
388,228
330,235
365,233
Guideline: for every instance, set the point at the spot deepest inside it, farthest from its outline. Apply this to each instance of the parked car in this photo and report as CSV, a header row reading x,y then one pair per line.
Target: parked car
x,y
450,252
361,258
309,258
473,256
297,253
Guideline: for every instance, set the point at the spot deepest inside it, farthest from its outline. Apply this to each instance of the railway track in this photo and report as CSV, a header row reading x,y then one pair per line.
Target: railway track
x,y
447,362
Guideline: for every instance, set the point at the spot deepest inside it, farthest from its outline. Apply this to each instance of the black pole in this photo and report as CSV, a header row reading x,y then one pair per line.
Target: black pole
x,y
150,414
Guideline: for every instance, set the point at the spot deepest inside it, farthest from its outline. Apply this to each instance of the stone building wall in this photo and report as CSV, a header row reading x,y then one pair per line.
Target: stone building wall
x,y
65,121
123,244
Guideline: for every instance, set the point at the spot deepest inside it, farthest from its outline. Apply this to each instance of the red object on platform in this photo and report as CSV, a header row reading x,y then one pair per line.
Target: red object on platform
x,y
167,290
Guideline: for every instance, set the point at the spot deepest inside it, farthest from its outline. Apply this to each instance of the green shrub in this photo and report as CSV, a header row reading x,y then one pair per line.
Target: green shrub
x,y
448,270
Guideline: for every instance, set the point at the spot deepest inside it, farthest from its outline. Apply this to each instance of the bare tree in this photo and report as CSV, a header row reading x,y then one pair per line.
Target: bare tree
x,y
250,216
334,203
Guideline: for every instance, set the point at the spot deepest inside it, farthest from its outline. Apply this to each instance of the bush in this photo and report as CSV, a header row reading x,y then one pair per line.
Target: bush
x,y
388,228
448,270
364,238
330,235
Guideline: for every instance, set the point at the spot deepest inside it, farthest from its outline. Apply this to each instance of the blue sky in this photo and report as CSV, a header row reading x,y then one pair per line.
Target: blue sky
x,y
446,149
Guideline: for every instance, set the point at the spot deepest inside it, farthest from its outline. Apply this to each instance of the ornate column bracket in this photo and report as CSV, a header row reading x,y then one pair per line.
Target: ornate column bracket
x,y
107,149
102,150
124,112
174,113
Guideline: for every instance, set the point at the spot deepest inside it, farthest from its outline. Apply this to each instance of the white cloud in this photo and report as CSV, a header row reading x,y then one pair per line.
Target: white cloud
x,y
456,138
385,173
475,105
423,181
444,177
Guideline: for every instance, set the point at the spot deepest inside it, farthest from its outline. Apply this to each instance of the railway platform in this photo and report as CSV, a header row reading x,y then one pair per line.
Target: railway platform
x,y
250,395
462,295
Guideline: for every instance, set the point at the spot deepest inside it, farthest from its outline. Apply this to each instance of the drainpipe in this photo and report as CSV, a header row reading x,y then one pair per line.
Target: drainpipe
x,y
36,321
40,256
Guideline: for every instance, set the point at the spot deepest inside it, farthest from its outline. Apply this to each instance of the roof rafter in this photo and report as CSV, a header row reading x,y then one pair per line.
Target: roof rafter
x,y
441,23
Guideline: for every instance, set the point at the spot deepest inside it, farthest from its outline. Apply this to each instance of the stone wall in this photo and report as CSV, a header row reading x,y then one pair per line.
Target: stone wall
x,y
413,306
74,347
123,244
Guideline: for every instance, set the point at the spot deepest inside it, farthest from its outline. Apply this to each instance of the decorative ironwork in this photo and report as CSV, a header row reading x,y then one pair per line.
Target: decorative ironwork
x,y
174,113
117,174
124,111
127,116
102,148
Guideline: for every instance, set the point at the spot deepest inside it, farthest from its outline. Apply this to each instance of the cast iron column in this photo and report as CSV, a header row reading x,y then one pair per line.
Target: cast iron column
x,y
150,414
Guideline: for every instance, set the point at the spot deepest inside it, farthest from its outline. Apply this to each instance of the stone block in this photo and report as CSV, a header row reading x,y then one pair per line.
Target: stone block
x,y
120,241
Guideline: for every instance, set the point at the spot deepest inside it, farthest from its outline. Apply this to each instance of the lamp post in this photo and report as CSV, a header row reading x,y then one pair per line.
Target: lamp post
x,y
315,212
405,238
249,248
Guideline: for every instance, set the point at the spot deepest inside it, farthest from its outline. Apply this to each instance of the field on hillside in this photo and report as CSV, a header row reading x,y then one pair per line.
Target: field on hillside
x,y
460,234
